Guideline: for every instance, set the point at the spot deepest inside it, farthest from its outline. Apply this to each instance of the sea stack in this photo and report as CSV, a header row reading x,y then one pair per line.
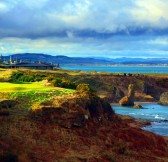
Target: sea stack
x,y
164,98
129,99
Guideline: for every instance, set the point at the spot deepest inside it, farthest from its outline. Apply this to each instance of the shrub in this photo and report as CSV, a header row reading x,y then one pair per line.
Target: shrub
x,y
63,83
26,78
21,77
15,76
58,82
83,88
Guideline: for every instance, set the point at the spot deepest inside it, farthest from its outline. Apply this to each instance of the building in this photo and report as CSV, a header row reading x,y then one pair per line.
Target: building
x,y
27,64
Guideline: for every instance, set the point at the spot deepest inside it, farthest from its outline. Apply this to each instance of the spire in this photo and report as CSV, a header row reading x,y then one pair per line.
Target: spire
x,y
11,60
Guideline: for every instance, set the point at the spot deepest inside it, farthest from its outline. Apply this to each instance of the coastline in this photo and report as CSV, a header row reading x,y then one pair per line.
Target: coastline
x,y
138,123
136,102
131,121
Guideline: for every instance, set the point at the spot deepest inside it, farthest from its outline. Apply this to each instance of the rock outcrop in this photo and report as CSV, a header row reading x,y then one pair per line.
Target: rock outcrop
x,y
131,92
59,116
74,110
138,106
5,104
129,99
117,94
164,98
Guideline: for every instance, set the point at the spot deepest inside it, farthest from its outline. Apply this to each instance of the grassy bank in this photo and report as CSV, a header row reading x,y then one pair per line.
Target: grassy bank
x,y
113,86
30,94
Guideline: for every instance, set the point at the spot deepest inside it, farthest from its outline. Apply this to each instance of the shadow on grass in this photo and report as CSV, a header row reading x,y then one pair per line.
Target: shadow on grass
x,y
20,82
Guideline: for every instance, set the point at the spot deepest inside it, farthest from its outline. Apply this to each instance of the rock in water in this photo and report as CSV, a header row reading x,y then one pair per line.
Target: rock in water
x,y
164,98
125,101
129,99
138,106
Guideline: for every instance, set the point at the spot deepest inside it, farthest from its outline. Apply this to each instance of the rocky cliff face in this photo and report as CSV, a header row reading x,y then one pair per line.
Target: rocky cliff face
x,y
164,98
116,94
74,110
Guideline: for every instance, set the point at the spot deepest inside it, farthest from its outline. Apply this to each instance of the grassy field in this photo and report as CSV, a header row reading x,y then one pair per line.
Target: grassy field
x,y
13,87
30,94
104,83
27,94
30,87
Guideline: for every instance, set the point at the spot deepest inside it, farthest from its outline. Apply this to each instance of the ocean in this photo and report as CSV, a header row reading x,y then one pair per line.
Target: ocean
x,y
157,114
118,69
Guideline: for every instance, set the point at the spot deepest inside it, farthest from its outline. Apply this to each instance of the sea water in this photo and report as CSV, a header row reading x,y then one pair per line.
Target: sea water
x,y
119,69
157,114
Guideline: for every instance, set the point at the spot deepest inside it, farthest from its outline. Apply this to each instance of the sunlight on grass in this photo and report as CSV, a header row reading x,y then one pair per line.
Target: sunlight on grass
x,y
29,94
13,87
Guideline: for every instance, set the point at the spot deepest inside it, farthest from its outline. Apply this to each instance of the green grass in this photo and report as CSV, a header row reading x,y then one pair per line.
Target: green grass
x,y
29,94
14,87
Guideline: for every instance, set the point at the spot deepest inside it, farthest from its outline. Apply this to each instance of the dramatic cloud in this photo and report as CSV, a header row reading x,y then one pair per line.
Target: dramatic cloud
x,y
87,27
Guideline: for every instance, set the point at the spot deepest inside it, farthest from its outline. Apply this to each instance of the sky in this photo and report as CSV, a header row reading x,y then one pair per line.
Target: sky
x,y
85,28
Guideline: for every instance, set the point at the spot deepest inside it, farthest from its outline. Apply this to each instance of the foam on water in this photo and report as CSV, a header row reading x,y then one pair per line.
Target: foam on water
x,y
157,114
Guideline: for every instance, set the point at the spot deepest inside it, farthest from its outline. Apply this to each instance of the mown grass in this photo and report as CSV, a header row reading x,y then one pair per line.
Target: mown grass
x,y
14,87
29,94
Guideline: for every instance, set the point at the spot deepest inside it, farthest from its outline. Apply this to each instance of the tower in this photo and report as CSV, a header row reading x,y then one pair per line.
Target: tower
x,y
11,60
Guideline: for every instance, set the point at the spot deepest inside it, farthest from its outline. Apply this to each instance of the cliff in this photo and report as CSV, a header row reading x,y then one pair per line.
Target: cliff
x,y
129,99
75,109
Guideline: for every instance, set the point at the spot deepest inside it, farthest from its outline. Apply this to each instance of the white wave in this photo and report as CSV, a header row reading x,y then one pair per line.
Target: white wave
x,y
159,117
133,113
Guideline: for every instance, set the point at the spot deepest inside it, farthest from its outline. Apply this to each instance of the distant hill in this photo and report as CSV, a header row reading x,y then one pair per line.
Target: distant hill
x,y
60,59
125,60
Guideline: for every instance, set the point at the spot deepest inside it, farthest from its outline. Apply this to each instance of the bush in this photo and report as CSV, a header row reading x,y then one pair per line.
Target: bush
x,y
58,82
21,77
83,88
63,83
26,78
16,75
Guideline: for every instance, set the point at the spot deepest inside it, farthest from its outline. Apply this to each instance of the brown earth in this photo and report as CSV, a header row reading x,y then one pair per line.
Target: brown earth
x,y
41,138
96,142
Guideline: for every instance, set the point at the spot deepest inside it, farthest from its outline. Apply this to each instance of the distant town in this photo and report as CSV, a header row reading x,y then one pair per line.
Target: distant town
x,y
18,63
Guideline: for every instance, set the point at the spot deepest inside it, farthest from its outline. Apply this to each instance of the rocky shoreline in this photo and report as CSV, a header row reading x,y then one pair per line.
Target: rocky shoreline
x,y
133,122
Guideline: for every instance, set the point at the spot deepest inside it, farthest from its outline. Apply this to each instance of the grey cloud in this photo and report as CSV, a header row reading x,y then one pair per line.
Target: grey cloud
x,y
87,27
42,18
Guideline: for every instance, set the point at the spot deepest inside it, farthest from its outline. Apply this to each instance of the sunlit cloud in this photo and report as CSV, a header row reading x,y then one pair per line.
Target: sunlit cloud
x,y
85,27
